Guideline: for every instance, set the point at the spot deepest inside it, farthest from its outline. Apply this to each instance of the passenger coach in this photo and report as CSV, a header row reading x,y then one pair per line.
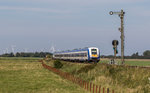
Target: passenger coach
x,y
87,54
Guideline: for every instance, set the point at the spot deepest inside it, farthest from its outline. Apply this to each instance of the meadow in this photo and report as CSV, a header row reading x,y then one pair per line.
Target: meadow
x,y
130,62
26,75
122,79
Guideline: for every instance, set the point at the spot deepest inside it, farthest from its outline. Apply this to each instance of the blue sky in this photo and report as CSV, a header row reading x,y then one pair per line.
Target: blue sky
x,y
36,25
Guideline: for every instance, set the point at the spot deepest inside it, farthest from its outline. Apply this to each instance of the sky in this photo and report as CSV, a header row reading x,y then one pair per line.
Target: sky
x,y
37,25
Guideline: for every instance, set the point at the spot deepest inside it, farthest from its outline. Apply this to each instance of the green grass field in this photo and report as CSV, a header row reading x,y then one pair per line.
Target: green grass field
x,y
131,62
26,75
122,79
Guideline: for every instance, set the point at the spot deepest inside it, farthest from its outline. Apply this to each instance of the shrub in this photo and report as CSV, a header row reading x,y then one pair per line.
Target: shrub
x,y
48,56
57,64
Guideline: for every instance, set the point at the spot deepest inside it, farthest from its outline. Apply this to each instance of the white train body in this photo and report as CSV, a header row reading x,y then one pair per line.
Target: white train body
x,y
86,54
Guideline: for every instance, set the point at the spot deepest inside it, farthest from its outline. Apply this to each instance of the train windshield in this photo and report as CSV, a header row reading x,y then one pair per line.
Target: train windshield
x,y
94,51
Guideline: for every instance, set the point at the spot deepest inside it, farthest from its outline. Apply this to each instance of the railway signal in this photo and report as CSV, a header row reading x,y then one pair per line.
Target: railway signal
x,y
121,15
115,44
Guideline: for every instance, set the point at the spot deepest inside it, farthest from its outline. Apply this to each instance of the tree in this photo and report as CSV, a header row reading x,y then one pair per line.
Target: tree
x,y
146,53
29,54
11,55
135,55
17,54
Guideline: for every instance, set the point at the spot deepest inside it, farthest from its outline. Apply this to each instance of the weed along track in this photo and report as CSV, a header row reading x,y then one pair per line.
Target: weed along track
x,y
89,86
104,77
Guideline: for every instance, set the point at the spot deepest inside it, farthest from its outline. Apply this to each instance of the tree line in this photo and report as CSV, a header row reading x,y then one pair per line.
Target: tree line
x,y
145,55
24,54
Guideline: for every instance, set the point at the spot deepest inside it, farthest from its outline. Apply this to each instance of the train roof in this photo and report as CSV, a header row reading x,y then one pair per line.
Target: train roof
x,y
75,50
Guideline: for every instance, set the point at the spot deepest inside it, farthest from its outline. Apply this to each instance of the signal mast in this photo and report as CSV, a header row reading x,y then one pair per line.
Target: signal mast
x,y
121,15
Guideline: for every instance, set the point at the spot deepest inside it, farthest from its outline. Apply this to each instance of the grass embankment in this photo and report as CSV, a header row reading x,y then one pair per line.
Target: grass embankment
x,y
131,62
26,75
122,79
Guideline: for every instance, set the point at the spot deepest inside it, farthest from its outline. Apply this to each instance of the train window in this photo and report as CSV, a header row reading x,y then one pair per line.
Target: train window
x,y
57,55
77,55
82,54
72,55
94,51
85,55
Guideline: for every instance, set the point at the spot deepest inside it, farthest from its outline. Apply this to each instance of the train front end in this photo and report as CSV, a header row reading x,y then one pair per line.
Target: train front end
x,y
94,54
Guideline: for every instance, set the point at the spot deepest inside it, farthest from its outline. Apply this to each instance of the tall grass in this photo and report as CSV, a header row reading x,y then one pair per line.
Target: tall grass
x,y
131,62
122,79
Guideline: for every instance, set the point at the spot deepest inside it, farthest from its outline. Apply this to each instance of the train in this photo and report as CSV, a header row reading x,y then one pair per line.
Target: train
x,y
88,54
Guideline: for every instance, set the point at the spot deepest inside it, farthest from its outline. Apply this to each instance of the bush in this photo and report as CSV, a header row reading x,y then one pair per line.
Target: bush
x,y
57,64
48,56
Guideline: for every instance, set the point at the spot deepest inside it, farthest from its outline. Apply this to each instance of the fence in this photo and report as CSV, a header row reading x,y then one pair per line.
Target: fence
x,y
84,84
